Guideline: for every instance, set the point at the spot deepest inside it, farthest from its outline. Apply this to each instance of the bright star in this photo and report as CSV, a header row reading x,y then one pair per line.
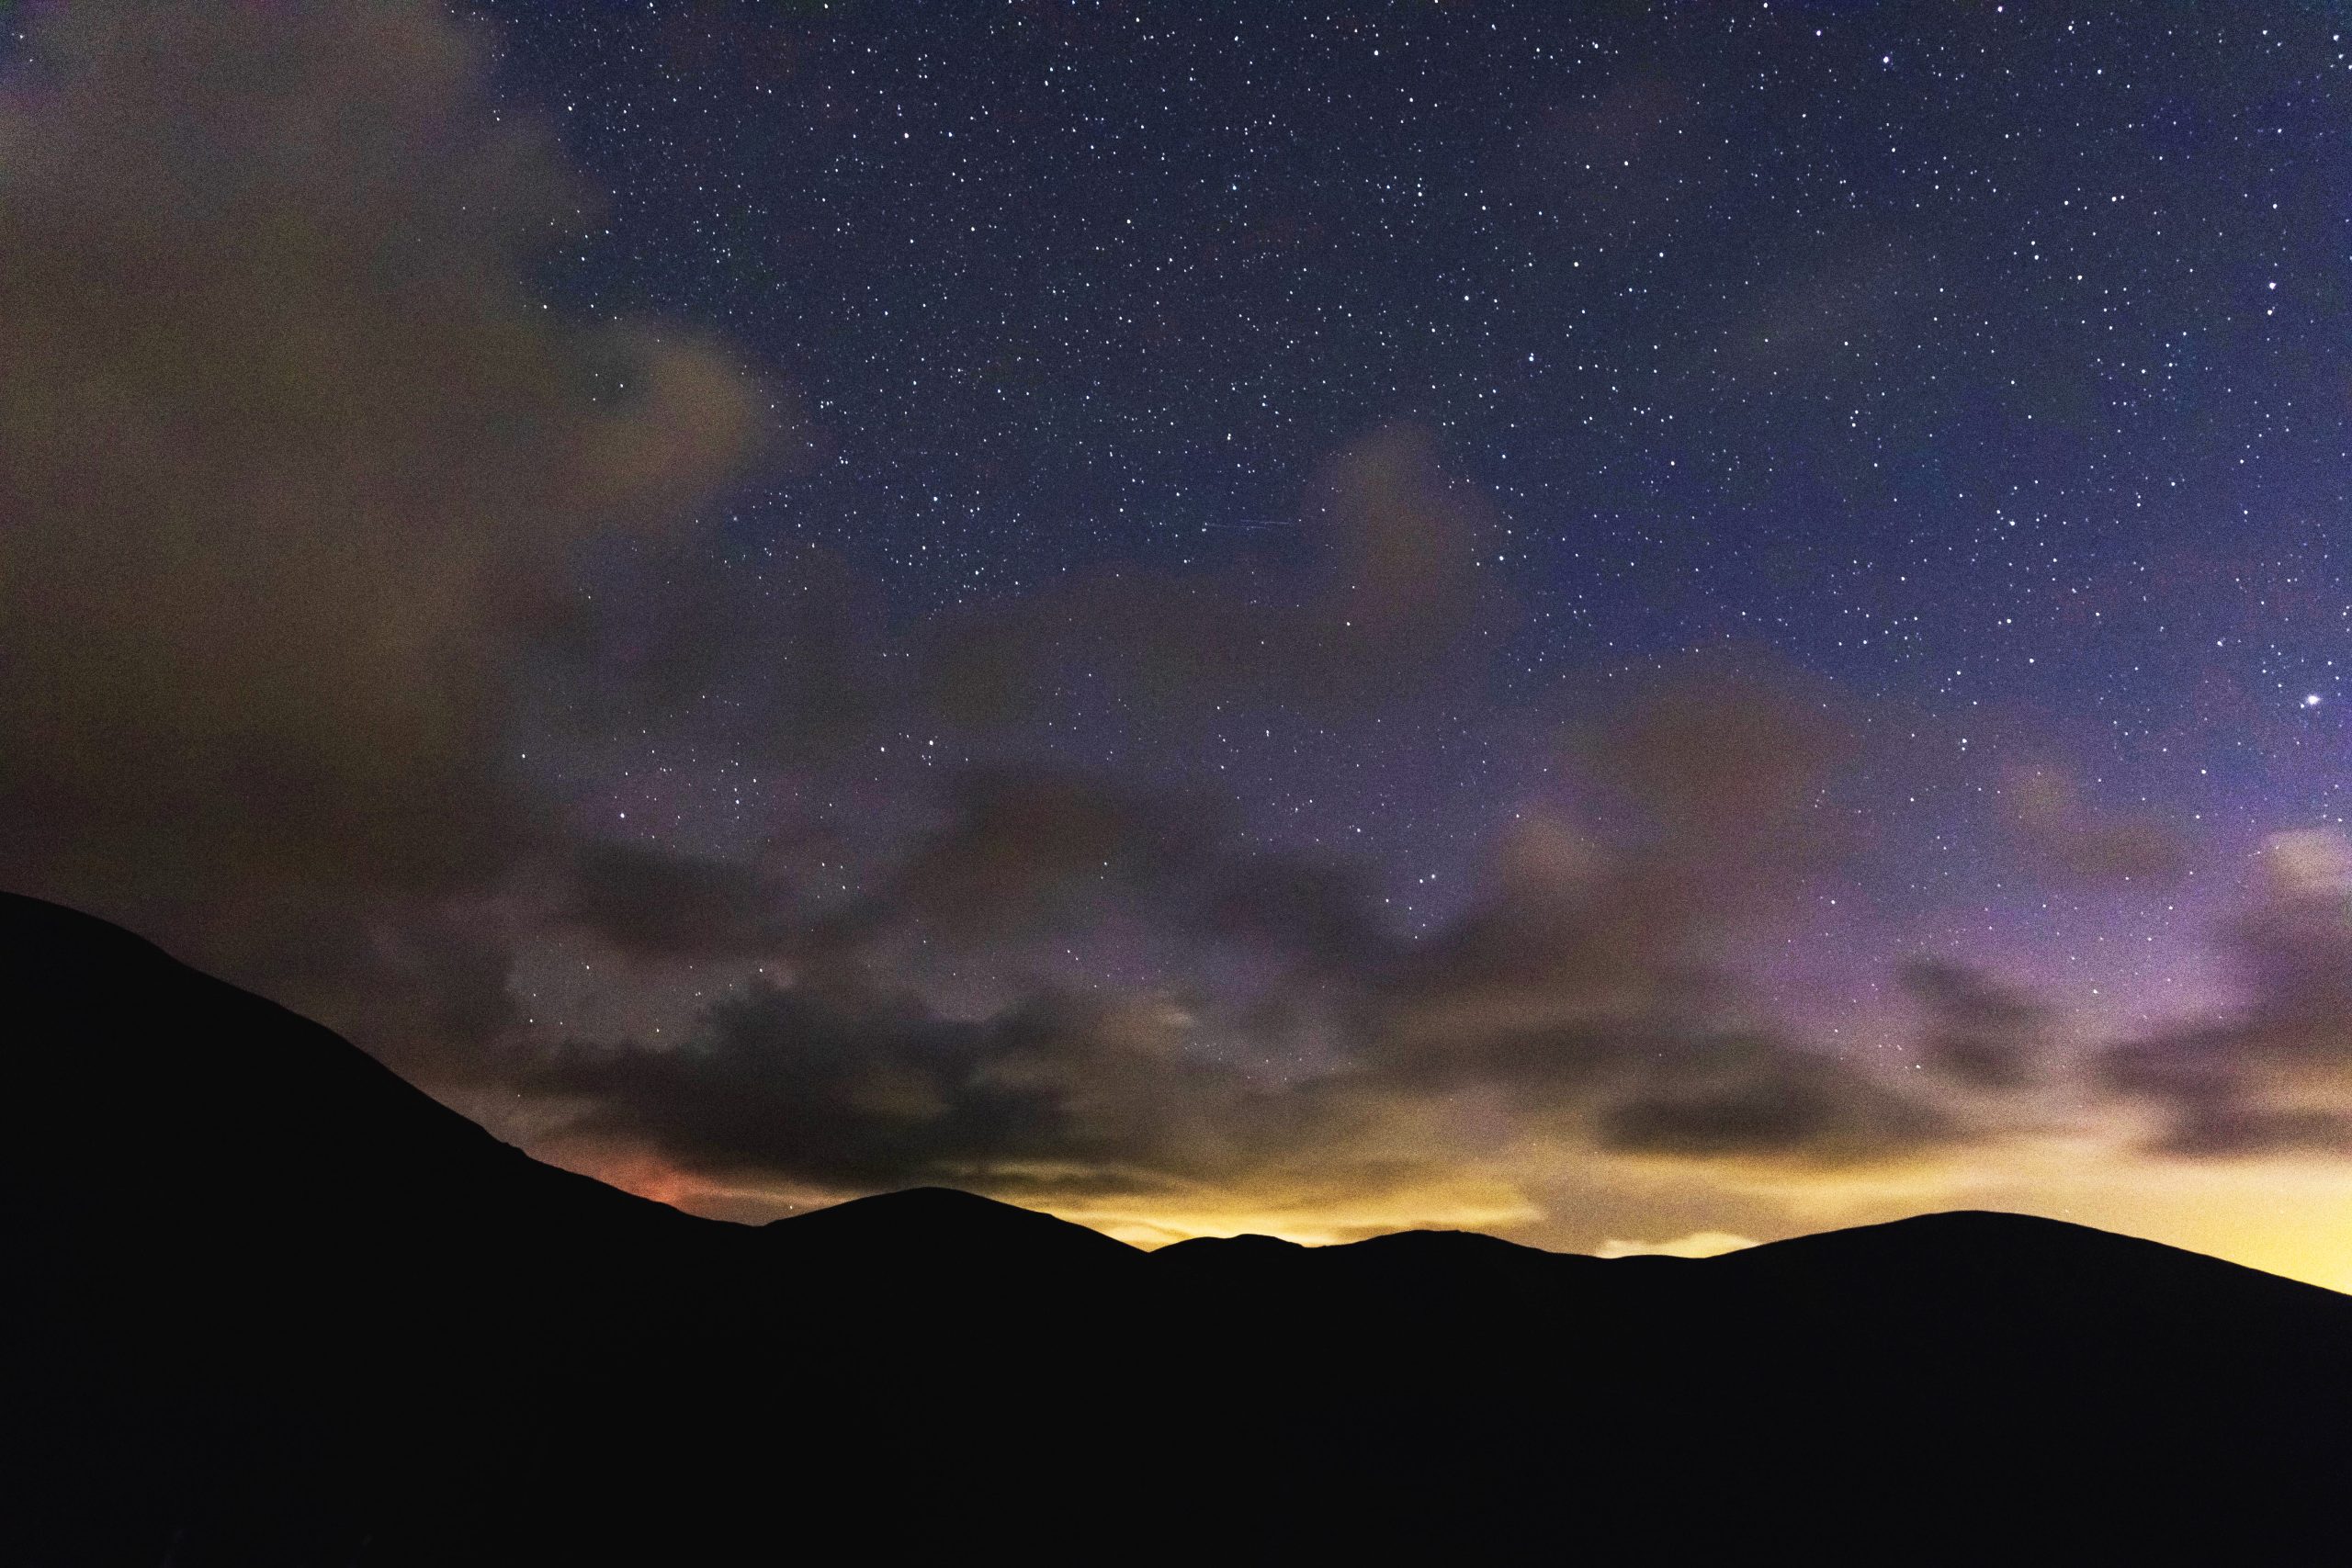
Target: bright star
x,y
2310,699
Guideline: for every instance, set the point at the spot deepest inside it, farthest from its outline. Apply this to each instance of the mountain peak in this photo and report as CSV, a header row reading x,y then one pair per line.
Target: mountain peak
x,y
947,1225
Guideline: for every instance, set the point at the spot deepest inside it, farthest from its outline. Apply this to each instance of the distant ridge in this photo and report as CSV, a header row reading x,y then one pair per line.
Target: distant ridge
x,y
268,1304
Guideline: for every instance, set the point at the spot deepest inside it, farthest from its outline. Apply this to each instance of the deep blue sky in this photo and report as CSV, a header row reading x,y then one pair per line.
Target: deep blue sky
x,y
1873,328
1981,358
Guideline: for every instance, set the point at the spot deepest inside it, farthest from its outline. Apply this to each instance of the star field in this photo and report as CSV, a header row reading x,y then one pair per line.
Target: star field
x,y
1973,357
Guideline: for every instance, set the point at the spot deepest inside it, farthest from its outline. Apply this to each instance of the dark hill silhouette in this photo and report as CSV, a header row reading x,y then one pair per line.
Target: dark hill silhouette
x,y
266,1303
949,1230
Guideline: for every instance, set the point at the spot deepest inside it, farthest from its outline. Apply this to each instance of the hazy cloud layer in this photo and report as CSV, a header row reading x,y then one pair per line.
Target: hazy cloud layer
x,y
1974,1028
1579,1000
2068,839
1371,595
2274,1074
296,459
1391,600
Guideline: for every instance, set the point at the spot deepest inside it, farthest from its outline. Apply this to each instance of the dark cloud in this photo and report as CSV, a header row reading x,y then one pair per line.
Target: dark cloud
x,y
1371,595
2222,1090
1973,1027
1755,1096
1016,855
1391,600
860,1087
650,903
2069,839
1707,787
1315,909
798,654
1582,994
1586,987
2237,1127
297,462
2276,1074
1018,846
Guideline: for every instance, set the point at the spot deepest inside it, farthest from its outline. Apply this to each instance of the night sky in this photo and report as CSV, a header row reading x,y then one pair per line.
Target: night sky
x,y
1630,625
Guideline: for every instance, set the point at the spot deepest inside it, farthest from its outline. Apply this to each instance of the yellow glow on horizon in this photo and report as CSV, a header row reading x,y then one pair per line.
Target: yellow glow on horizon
x,y
1698,1243
1317,1221
2287,1216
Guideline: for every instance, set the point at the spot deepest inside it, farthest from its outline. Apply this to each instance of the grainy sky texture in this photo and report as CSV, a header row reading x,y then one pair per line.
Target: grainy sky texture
x,y
1631,624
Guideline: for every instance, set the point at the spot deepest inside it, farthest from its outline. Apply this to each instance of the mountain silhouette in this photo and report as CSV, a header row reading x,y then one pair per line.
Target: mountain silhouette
x,y
953,1230
267,1304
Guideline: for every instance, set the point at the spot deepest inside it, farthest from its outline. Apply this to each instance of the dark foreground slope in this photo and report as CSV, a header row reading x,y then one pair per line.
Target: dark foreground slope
x,y
261,1303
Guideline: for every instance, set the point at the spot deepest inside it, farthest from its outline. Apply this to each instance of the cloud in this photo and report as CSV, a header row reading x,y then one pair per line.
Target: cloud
x,y
794,654
297,462
859,1088
650,903
2274,1074
1974,1028
1371,594
1016,847
1592,986
1581,1001
1747,1097
1390,601
2068,840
